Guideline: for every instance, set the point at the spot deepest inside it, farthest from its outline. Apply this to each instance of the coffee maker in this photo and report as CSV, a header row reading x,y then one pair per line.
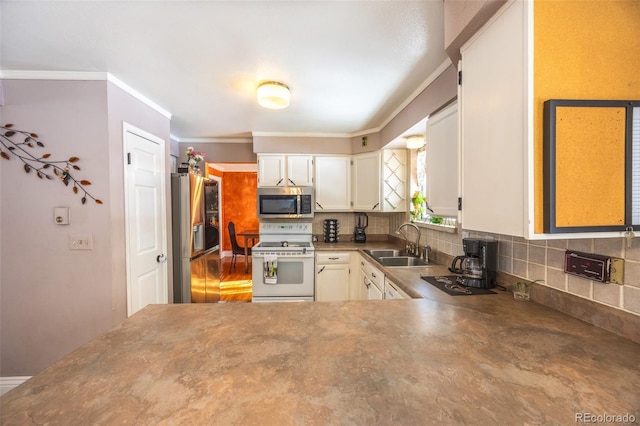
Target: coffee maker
x,y
362,221
479,264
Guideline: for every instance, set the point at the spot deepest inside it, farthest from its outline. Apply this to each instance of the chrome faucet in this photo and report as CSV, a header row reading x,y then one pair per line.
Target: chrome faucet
x,y
416,248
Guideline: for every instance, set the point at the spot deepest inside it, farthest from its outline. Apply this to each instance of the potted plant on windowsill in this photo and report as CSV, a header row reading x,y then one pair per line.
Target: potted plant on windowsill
x,y
417,200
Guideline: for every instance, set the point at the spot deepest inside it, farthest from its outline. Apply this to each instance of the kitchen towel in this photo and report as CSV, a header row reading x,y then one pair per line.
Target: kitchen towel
x,y
270,266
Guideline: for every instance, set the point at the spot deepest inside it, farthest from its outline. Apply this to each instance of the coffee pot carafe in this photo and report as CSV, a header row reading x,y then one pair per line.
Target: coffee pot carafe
x,y
478,267
467,266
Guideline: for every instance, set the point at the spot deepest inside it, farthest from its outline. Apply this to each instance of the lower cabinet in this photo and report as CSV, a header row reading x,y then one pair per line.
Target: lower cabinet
x,y
332,276
371,283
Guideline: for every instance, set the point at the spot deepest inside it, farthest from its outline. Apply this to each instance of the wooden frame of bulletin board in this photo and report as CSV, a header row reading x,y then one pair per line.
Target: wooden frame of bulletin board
x,y
588,170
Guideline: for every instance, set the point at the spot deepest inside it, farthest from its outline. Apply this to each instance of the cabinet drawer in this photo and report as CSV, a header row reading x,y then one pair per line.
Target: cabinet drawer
x,y
328,258
375,276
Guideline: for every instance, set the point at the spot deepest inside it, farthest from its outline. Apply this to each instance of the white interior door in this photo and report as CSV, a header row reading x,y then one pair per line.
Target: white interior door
x,y
145,211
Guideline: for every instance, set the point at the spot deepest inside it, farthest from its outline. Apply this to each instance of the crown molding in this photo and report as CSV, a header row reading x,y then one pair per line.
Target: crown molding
x,y
83,76
302,135
212,140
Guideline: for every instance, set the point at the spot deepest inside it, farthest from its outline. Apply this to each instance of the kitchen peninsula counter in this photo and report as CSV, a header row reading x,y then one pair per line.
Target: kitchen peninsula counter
x,y
407,362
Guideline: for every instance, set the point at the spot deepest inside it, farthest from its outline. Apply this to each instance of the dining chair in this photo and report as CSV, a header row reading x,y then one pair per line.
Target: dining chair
x,y
236,249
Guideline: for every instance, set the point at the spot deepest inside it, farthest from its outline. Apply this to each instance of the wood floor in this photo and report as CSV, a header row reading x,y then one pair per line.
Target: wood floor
x,y
235,285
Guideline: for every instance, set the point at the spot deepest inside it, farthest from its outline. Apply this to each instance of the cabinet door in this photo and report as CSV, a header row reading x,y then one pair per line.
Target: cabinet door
x,y
494,129
366,182
394,180
374,293
271,170
442,162
299,170
333,182
332,282
363,285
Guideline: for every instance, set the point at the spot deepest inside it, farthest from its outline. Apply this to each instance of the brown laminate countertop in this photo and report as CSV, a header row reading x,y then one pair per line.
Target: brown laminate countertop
x,y
409,362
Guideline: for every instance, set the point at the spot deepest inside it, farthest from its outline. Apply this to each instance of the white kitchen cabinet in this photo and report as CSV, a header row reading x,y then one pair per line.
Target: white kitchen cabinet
x,y
332,182
300,170
332,276
393,291
495,106
394,180
379,181
363,281
285,170
366,182
372,282
442,161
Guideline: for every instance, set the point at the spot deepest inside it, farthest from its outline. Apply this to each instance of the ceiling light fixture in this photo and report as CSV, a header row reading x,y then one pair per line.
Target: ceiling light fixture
x,y
273,95
415,141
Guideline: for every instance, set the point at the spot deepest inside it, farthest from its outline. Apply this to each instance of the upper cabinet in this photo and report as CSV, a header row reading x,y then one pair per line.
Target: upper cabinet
x,y
494,126
394,180
442,161
380,181
523,57
366,182
333,182
285,170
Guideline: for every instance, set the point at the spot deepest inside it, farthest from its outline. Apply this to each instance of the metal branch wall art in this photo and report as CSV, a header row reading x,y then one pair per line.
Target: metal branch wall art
x,y
42,166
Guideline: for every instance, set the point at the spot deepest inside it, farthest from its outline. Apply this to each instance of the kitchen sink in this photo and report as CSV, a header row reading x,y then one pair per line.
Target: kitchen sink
x,y
385,253
393,258
401,261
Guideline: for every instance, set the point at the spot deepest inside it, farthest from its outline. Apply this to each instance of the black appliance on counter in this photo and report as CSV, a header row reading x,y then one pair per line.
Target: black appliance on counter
x,y
479,264
362,221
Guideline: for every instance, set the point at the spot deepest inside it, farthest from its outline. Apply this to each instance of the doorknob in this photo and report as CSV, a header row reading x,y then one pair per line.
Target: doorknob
x,y
161,258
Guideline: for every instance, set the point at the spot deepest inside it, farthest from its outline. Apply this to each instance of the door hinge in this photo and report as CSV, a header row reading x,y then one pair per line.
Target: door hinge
x,y
459,78
128,158
459,204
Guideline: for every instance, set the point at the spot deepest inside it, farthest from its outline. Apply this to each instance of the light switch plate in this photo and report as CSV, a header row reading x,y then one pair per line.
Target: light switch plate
x,y
81,242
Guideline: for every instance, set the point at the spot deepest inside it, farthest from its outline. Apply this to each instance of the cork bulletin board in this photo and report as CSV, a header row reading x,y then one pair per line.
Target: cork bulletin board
x,y
587,148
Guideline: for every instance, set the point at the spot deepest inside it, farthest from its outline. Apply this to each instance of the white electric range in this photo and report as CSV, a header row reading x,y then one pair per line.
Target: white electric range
x,y
289,244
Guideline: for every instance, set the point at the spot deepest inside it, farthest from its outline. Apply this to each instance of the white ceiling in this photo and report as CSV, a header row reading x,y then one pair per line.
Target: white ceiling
x,y
350,64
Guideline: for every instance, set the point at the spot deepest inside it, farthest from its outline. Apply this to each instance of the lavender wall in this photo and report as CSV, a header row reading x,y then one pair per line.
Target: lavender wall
x,y
53,299
125,108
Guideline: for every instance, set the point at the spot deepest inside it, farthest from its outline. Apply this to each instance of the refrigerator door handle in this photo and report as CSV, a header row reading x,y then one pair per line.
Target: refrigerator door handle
x,y
161,258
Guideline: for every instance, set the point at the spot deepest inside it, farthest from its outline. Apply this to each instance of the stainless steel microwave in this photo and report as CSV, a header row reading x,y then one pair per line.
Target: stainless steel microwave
x,y
288,202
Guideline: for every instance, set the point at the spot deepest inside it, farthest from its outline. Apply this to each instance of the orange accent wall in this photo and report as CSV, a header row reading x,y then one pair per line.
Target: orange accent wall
x,y
238,203
582,50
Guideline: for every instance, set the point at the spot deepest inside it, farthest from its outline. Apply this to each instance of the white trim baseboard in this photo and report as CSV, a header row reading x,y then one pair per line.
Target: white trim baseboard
x,y
8,383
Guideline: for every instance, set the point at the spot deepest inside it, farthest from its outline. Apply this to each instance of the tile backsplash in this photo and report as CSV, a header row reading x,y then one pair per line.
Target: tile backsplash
x,y
529,259
544,260
379,223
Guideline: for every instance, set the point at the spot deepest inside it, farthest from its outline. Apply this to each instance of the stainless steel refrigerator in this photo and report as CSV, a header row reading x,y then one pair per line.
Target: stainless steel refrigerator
x,y
196,239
